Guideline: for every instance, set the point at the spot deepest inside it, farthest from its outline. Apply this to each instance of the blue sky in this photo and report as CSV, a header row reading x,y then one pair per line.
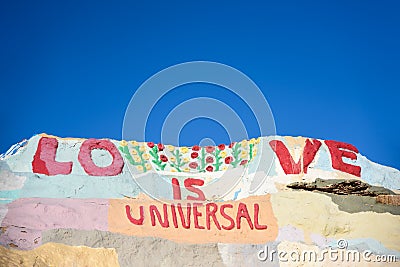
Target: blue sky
x,y
329,70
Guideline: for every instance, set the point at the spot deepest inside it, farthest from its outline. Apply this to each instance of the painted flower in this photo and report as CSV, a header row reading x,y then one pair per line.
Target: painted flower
x,y
223,154
243,154
221,146
194,155
228,160
186,169
196,148
209,168
142,148
224,168
123,143
163,158
172,159
184,149
231,144
210,149
134,152
209,159
258,140
173,170
136,159
148,166
150,144
186,160
160,147
254,152
170,148
146,156
243,162
139,168
193,165
134,143
252,141
244,143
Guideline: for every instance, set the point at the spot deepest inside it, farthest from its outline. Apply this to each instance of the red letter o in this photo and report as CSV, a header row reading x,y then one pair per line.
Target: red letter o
x,y
85,158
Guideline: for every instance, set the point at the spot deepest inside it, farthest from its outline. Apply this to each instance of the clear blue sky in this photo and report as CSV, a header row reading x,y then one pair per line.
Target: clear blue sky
x,y
329,69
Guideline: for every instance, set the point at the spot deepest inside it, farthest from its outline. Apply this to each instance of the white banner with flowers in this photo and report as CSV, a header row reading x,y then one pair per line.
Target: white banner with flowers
x,y
195,159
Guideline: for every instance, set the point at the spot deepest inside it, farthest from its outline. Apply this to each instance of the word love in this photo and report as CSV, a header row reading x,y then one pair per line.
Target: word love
x,y
44,161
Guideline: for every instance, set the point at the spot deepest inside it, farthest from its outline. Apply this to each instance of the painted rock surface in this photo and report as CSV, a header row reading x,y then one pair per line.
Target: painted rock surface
x,y
270,201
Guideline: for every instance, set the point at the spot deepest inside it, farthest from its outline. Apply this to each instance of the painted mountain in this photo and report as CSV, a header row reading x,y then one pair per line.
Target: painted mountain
x,y
270,201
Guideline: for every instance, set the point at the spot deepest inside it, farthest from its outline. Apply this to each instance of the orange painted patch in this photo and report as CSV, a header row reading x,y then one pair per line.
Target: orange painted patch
x,y
249,220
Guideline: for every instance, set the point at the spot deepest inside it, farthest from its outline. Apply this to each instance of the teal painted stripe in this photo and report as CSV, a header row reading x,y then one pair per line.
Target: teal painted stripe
x,y
9,196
